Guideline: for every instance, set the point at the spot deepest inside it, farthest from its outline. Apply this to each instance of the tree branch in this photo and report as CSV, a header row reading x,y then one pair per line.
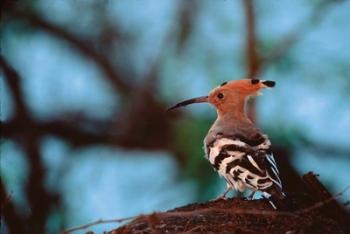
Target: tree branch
x,y
97,222
295,35
40,200
252,57
13,220
86,49
13,80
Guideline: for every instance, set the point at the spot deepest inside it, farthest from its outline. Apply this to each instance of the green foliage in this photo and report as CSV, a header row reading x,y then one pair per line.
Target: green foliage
x,y
289,137
189,135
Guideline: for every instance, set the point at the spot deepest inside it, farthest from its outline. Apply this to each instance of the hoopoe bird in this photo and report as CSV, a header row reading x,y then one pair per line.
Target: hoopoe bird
x,y
234,146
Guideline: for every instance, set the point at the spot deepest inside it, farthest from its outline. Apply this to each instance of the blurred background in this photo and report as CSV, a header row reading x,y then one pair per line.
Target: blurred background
x,y
85,84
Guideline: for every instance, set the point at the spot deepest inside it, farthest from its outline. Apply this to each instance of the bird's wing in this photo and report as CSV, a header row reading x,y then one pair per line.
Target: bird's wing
x,y
247,159
262,159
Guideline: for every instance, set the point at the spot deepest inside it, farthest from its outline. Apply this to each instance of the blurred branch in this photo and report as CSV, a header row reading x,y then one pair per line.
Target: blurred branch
x,y
255,61
14,221
291,38
77,137
13,80
40,200
252,57
129,121
187,13
74,133
86,49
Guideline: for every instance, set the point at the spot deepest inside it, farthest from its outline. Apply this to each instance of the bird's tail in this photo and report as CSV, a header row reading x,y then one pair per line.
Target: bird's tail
x,y
278,200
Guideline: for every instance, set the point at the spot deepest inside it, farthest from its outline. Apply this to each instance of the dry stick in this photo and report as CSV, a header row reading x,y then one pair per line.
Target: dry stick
x,y
193,229
186,226
207,210
100,221
227,211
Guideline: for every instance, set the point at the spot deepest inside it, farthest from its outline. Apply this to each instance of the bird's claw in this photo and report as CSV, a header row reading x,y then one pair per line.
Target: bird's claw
x,y
221,197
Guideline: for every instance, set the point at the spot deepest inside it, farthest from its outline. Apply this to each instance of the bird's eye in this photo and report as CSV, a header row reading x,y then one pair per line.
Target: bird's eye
x,y
220,96
255,81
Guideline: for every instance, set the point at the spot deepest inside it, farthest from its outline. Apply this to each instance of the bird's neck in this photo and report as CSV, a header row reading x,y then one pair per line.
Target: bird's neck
x,y
236,112
232,120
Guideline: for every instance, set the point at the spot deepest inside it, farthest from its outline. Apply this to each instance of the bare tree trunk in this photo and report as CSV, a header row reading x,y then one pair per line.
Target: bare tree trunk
x,y
252,57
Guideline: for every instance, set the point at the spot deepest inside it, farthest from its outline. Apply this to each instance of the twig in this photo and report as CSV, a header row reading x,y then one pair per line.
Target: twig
x,y
227,211
186,226
100,221
13,80
193,229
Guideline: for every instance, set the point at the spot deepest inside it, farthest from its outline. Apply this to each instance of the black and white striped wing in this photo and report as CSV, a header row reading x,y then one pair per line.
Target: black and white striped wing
x,y
264,160
246,163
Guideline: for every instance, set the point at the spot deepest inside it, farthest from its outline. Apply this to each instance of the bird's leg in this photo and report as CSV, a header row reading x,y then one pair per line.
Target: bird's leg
x,y
239,194
251,195
223,196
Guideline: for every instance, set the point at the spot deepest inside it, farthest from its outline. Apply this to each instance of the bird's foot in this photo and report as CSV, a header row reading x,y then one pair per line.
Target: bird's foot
x,y
223,196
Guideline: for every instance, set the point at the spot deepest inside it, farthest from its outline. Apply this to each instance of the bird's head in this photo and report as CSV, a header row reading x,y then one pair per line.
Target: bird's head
x,y
230,95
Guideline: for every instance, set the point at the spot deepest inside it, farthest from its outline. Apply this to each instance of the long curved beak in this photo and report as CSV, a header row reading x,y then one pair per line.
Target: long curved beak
x,y
188,102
